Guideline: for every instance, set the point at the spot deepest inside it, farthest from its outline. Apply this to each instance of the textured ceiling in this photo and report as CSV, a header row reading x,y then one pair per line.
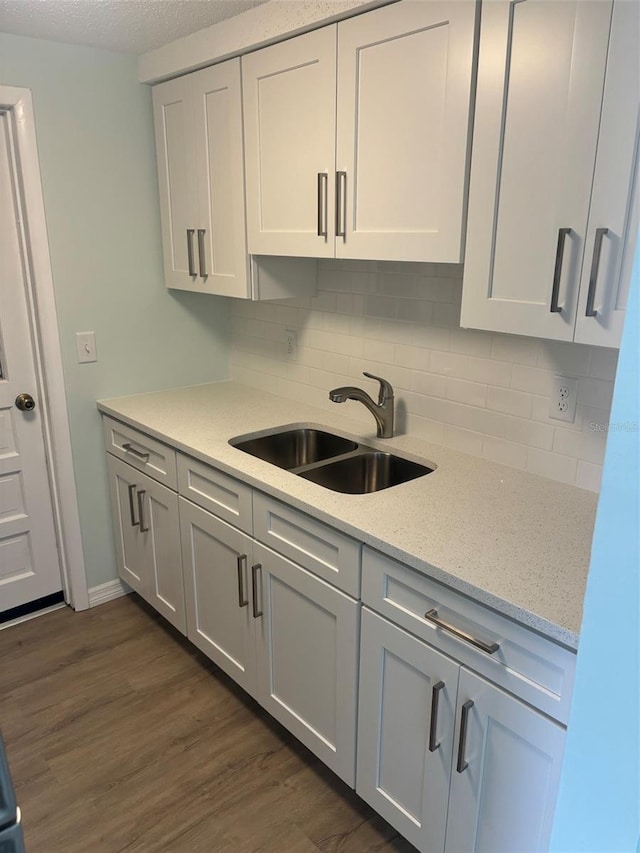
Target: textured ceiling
x,y
127,26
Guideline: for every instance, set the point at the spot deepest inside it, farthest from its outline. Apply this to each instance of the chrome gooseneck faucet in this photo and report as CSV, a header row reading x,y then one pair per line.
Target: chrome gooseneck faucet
x,y
382,411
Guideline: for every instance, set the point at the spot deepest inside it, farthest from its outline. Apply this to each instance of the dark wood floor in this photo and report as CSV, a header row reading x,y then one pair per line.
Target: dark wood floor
x,y
122,737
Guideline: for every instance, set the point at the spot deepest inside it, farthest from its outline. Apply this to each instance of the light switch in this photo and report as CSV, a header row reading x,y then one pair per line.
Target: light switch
x,y
86,346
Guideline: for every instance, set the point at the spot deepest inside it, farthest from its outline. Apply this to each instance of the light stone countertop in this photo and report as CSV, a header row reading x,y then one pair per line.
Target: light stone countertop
x,y
514,541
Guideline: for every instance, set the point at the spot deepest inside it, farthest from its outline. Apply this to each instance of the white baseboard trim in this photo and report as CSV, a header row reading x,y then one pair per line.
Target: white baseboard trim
x,y
107,591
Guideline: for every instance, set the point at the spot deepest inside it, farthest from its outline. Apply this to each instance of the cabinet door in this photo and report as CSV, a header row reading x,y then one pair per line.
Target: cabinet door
x,y
606,271
307,658
404,88
506,773
175,154
221,241
405,730
289,92
216,558
539,94
130,557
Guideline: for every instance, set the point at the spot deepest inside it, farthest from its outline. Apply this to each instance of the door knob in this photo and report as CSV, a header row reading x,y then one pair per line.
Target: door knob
x,y
25,402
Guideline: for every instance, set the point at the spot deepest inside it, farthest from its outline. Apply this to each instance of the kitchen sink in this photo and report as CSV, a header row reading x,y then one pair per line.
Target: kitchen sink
x,y
332,461
365,472
295,448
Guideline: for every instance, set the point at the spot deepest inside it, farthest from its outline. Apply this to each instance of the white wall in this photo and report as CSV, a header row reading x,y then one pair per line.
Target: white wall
x,y
485,394
95,139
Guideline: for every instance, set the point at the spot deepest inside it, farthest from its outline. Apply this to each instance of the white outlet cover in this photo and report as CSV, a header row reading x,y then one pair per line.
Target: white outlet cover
x,y
564,393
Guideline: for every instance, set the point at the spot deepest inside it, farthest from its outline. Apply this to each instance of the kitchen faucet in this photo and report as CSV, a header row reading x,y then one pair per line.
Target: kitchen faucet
x,y
382,411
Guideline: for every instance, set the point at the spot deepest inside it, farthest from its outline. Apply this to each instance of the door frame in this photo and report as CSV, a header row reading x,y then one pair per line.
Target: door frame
x,y
48,359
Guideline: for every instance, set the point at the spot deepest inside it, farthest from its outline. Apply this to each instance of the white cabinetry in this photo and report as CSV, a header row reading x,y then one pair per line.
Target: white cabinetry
x,y
357,136
199,146
557,97
456,744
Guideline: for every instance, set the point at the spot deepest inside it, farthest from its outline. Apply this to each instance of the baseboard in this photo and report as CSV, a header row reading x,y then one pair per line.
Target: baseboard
x,y
107,591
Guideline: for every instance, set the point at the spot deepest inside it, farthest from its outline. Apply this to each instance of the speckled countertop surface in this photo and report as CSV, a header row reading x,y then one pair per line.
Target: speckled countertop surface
x,y
514,541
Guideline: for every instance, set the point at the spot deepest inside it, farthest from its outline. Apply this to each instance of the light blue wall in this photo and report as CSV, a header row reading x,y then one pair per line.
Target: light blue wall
x,y
95,139
598,808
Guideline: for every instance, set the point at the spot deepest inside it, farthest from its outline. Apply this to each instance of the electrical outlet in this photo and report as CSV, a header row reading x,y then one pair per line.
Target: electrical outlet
x,y
291,344
86,347
563,399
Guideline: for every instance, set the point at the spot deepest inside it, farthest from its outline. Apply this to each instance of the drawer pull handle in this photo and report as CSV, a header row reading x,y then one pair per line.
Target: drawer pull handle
x,y
554,308
593,276
433,726
323,186
462,764
254,588
190,261
243,601
144,457
141,495
341,202
202,258
489,648
132,491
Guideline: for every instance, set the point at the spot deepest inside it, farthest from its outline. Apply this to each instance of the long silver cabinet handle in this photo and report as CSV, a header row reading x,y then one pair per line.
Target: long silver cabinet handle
x,y
141,495
433,726
462,764
593,275
341,200
132,491
190,259
126,446
554,308
243,601
489,648
323,189
202,258
257,612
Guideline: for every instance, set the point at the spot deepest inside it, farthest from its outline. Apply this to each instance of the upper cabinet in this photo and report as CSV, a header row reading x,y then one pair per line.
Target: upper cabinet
x,y
552,205
357,136
199,144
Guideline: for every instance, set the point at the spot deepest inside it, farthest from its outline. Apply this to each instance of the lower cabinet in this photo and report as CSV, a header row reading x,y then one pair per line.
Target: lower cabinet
x,y
286,636
449,759
147,531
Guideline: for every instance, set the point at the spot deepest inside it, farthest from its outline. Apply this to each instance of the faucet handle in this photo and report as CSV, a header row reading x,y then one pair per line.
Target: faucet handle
x,y
386,390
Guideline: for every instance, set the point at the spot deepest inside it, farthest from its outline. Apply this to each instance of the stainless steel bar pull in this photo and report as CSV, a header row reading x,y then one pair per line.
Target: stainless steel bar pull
x,y
593,275
462,764
243,601
554,308
127,446
489,648
143,528
202,258
323,189
257,611
341,204
132,491
190,259
433,725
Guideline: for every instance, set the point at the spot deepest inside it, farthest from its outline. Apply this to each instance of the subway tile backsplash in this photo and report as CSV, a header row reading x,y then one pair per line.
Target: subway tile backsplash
x,y
482,393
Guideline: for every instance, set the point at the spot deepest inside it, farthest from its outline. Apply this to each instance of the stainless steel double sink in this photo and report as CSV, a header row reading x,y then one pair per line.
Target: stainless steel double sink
x,y
331,460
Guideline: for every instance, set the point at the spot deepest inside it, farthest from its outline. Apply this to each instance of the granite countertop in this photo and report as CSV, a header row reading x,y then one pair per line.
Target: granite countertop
x,y
514,541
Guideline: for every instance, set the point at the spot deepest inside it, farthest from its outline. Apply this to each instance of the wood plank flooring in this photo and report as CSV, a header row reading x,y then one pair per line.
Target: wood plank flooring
x,y
122,737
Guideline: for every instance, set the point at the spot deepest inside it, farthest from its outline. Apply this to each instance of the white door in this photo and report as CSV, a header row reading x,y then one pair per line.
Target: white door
x,y
130,560
289,96
539,95
307,647
216,559
29,563
406,712
506,773
404,88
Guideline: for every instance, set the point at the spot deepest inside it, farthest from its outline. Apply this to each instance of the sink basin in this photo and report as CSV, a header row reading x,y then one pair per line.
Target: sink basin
x,y
295,448
365,472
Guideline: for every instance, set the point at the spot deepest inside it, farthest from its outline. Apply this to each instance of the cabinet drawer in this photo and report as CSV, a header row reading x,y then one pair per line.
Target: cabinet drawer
x,y
221,494
528,665
141,451
326,552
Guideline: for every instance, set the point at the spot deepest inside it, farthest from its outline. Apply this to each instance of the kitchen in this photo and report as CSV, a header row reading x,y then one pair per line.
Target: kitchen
x,y
96,149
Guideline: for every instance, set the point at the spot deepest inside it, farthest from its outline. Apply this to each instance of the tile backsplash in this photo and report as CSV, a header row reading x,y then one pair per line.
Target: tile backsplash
x,y
482,393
